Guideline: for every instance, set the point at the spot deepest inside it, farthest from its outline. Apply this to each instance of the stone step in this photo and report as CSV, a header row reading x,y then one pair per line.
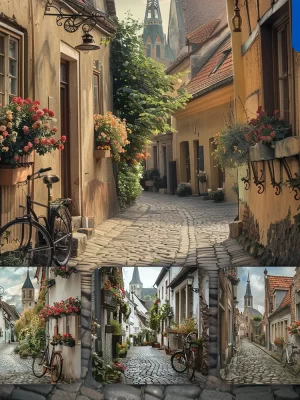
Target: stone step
x,y
76,222
89,232
79,242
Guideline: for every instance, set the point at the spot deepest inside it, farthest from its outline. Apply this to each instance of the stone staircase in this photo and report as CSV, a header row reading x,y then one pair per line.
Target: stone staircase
x,y
83,229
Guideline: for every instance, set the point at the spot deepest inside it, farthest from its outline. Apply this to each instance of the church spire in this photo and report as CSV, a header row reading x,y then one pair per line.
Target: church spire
x,y
248,298
153,15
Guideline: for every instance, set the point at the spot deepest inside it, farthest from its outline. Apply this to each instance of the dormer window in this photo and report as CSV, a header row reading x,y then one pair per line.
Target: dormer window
x,y
221,61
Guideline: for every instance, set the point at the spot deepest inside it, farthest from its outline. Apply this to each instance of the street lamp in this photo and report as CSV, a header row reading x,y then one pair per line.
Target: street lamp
x,y
88,43
237,19
190,281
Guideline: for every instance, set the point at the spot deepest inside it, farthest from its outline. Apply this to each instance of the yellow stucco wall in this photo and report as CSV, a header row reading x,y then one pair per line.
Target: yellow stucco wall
x,y
92,184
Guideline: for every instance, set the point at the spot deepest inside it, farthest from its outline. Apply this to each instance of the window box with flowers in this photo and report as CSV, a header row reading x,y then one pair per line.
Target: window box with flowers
x,y
71,306
64,272
265,131
279,342
68,340
112,295
110,136
294,328
24,129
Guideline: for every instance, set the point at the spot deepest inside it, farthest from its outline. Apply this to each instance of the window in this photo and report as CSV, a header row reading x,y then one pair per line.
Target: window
x,y
297,316
282,44
177,307
155,161
162,293
10,50
158,51
221,61
166,288
191,302
78,328
67,325
183,304
23,294
148,50
136,330
97,92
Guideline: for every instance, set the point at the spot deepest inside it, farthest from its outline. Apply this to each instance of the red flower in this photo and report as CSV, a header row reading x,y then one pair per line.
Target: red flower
x,y
51,113
63,138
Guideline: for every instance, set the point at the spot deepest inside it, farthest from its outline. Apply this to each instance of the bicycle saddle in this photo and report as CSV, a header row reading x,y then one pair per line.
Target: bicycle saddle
x,y
51,179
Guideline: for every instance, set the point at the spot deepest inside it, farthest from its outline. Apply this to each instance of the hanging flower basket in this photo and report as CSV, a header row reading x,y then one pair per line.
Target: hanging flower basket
x,y
68,340
108,298
98,154
64,272
10,175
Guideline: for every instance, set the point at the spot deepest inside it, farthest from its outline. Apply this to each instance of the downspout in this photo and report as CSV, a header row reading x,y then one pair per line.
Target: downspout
x,y
97,288
32,50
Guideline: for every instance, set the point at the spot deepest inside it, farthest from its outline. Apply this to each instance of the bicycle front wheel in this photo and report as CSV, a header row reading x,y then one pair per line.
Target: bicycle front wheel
x,y
25,243
190,366
56,367
61,231
39,365
178,362
295,363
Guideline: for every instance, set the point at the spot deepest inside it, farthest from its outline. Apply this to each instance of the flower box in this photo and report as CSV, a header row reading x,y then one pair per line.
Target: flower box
x,y
149,183
287,147
10,175
98,154
51,282
69,344
260,152
108,298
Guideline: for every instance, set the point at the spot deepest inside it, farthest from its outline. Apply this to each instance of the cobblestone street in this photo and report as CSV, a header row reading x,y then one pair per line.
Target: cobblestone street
x,y
14,369
165,230
253,366
147,365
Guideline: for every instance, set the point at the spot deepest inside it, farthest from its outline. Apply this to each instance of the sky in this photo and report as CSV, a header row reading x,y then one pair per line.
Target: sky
x,y
257,283
148,275
12,280
138,8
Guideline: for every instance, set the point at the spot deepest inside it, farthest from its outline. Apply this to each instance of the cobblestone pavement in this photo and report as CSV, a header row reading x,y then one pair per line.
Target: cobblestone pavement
x,y
14,369
253,365
146,365
164,230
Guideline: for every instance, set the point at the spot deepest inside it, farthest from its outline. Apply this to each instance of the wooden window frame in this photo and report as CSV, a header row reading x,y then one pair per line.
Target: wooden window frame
x,y
8,33
283,24
99,76
78,328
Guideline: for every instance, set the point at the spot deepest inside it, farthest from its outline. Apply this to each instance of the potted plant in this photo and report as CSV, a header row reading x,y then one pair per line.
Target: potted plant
x,y
64,272
68,340
184,189
151,175
112,295
110,136
24,129
57,339
294,328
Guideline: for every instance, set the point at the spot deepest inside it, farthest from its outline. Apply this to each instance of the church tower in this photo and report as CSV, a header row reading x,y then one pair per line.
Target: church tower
x,y
248,298
28,294
154,39
136,285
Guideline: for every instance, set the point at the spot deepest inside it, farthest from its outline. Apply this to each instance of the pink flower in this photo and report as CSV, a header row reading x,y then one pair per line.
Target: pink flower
x,y
272,134
44,140
25,129
53,141
39,113
36,102
26,148
54,129
45,110
5,134
35,117
63,138
16,158
51,113
61,146
28,101
2,128
29,144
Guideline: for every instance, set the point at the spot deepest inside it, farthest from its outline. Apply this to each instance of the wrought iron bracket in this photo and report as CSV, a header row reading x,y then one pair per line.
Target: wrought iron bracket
x,y
87,17
274,183
247,178
292,181
259,181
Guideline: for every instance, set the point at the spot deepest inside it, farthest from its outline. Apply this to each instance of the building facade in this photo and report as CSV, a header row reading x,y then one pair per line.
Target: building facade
x,y
8,316
75,85
265,34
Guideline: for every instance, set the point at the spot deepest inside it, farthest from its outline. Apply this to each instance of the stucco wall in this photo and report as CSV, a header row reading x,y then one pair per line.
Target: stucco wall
x,y
92,184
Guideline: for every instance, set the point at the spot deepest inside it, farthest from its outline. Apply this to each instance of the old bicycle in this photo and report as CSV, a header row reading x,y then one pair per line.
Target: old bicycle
x,y
42,363
30,240
185,359
291,359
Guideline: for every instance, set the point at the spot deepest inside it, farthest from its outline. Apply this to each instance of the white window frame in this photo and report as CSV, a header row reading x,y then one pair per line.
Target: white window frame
x,y
8,33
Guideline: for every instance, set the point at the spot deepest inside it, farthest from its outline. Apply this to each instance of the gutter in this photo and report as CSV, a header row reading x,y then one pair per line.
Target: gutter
x,y
224,82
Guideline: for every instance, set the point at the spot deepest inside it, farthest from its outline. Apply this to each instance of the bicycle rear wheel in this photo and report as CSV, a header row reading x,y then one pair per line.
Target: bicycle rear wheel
x,y
38,365
295,363
56,367
61,231
284,358
24,243
190,366
178,362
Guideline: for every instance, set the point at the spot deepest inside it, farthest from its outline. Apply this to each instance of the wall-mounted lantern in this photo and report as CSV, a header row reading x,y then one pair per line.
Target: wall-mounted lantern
x,y
237,19
190,282
80,15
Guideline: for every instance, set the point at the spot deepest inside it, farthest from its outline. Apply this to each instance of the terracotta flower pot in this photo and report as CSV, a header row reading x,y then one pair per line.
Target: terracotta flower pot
x,y
98,154
11,175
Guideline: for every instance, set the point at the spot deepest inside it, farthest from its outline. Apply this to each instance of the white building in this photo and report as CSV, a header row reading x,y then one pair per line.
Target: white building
x,y
8,316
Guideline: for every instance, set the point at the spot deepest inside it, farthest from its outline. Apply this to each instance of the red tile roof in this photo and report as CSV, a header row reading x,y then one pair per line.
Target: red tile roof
x,y
201,34
205,78
279,282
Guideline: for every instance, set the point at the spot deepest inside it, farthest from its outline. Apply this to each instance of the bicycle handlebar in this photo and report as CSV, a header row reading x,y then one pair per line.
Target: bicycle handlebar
x,y
42,170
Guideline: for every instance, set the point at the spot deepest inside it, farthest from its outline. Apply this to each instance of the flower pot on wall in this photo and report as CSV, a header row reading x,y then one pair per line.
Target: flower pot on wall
x,y
108,299
260,152
287,147
98,154
10,175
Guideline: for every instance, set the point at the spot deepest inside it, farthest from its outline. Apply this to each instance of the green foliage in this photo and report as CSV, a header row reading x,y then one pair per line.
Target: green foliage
x,y
257,318
129,187
117,329
150,174
104,373
184,189
188,325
